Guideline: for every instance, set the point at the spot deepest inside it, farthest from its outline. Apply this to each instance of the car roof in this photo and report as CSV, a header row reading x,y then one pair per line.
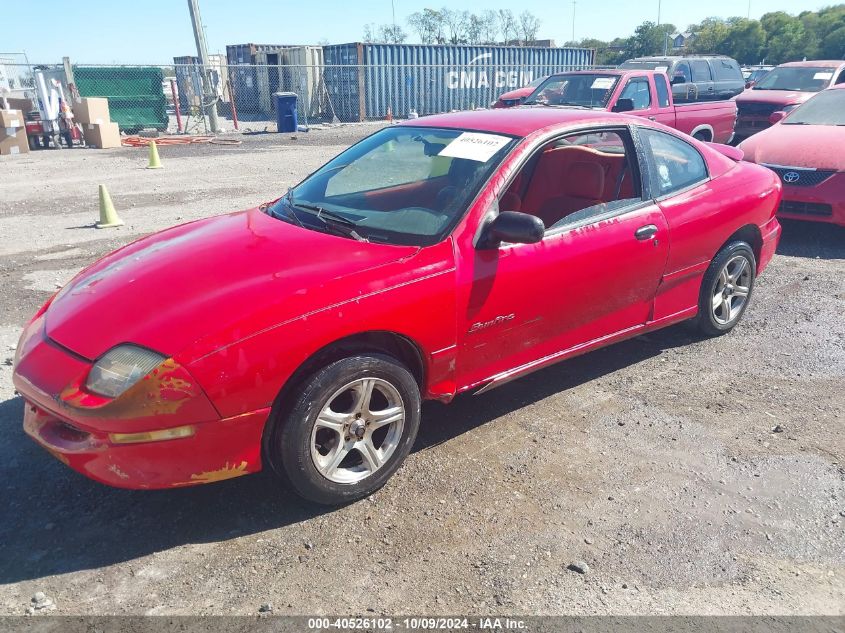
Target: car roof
x,y
520,121
818,63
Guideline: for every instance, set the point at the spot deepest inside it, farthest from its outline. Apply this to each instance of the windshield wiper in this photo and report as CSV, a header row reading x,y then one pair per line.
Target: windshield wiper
x,y
332,220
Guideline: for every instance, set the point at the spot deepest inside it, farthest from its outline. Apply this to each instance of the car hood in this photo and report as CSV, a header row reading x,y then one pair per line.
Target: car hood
x,y
173,288
779,97
519,93
812,146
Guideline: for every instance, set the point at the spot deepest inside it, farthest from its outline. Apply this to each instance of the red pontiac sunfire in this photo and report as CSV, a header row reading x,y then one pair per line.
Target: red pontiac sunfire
x,y
452,253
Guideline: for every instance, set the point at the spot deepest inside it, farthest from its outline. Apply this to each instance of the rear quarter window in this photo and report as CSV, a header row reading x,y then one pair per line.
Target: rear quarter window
x,y
726,70
660,84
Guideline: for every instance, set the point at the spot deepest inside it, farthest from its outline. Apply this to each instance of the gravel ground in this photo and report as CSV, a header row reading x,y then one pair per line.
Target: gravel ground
x,y
682,476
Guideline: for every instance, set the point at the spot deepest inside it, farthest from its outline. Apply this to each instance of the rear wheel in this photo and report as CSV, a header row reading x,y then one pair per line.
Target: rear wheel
x,y
726,289
702,136
349,430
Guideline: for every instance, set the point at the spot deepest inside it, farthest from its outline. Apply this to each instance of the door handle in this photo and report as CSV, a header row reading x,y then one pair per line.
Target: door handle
x,y
645,232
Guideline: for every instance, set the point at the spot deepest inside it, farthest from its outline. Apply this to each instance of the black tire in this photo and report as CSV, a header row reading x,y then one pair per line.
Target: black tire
x,y
708,322
290,444
704,137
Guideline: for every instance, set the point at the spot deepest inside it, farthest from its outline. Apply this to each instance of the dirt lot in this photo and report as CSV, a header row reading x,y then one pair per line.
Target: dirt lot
x,y
654,461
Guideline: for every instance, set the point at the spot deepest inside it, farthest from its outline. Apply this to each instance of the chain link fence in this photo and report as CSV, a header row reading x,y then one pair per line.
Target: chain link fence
x,y
179,98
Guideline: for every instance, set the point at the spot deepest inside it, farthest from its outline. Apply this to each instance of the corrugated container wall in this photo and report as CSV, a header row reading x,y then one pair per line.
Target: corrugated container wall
x,y
363,80
252,83
189,79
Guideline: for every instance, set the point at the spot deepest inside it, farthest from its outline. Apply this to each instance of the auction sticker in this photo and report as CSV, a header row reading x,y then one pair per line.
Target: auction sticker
x,y
602,83
823,75
475,146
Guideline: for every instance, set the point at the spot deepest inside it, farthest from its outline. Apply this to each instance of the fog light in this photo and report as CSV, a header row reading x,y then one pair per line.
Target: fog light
x,y
152,436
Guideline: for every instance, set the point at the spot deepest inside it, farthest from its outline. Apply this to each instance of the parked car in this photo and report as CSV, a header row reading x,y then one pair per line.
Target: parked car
x,y
695,78
446,255
755,74
786,87
641,92
516,97
804,148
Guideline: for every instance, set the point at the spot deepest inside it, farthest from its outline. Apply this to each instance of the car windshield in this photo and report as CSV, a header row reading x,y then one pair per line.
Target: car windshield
x,y
826,108
798,78
402,185
588,90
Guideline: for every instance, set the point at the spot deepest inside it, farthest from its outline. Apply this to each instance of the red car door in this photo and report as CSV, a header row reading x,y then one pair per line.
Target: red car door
x,y
586,280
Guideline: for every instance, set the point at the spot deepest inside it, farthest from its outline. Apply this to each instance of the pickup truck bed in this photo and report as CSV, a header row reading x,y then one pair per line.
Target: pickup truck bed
x,y
645,93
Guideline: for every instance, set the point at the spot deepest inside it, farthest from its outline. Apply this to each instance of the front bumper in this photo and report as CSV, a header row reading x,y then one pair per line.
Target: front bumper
x,y
88,433
823,203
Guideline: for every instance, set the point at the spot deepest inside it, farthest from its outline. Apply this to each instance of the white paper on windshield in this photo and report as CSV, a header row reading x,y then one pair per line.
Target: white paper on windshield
x,y
602,83
823,76
661,69
475,146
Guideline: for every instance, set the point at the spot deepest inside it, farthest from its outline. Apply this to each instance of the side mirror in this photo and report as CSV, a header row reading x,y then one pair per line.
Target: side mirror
x,y
514,227
624,105
774,117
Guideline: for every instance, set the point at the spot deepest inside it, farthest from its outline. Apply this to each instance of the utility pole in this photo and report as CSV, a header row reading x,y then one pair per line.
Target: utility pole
x,y
393,13
749,9
573,21
659,2
208,96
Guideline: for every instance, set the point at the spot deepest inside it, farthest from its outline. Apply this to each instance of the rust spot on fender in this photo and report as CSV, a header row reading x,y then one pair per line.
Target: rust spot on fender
x,y
210,476
162,392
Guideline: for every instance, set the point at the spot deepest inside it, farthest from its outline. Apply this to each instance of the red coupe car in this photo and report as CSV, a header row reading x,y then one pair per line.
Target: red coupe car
x,y
804,148
450,254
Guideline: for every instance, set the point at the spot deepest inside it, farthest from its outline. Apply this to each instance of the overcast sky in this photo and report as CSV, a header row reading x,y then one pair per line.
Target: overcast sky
x,y
154,31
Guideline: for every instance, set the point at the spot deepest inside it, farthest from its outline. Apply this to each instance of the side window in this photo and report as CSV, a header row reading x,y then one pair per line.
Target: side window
x,y
701,70
682,71
674,164
575,178
662,90
637,91
841,78
725,70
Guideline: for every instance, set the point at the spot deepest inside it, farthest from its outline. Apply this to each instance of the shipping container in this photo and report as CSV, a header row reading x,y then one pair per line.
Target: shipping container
x,y
135,94
364,80
188,71
251,85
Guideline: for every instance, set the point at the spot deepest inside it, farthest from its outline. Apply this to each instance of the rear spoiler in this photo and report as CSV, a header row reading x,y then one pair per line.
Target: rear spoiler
x,y
734,153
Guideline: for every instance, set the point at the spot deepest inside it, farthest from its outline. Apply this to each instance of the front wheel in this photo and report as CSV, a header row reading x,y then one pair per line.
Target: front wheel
x,y
349,430
726,289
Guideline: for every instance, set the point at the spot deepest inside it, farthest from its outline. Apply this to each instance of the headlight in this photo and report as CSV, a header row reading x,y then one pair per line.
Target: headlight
x,y
120,368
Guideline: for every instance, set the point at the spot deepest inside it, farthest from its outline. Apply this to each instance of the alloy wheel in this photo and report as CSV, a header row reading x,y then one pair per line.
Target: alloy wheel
x,y
358,430
731,290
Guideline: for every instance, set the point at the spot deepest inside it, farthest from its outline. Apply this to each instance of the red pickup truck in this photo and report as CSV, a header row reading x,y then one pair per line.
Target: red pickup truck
x,y
639,92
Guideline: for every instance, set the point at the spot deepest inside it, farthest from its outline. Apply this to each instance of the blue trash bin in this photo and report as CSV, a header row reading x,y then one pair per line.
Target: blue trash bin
x,y
286,117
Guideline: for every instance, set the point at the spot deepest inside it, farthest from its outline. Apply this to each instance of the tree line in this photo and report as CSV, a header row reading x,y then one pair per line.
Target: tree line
x,y
775,38
454,26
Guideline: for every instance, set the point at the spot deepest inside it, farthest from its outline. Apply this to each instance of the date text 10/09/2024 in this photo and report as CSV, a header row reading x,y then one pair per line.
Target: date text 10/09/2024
x,y
416,624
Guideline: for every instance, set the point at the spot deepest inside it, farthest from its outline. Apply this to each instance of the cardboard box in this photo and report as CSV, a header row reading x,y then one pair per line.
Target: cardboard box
x,y
11,119
102,135
91,110
13,141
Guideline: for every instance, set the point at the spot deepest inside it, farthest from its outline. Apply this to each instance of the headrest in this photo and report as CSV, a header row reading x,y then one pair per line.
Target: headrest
x,y
585,180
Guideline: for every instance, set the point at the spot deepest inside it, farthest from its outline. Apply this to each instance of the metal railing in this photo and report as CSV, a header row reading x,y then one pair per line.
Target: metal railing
x,y
176,98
